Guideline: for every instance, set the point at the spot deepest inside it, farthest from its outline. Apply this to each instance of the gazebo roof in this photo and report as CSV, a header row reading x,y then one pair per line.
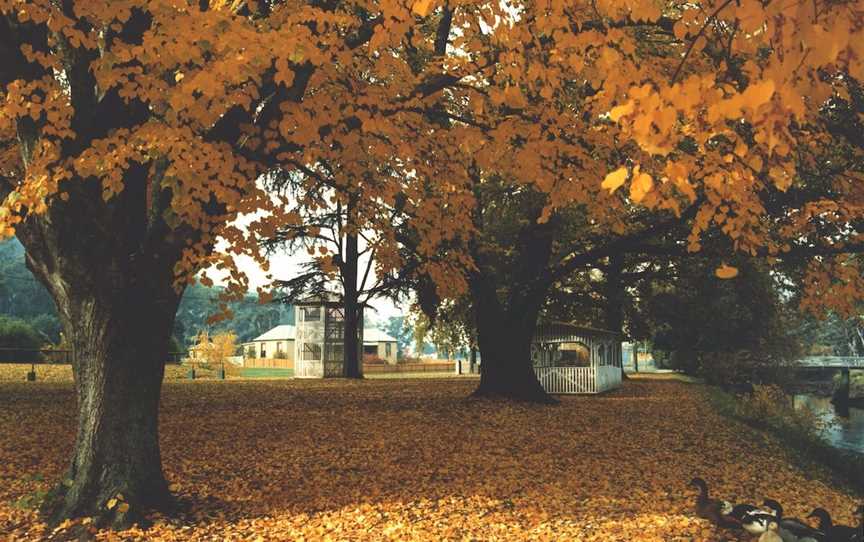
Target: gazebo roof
x,y
548,331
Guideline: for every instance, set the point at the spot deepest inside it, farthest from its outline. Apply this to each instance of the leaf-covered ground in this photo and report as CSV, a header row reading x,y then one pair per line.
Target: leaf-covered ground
x,y
416,460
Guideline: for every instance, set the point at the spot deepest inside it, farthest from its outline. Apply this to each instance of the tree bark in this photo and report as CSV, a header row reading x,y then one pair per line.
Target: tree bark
x,y
119,348
613,310
613,313
353,363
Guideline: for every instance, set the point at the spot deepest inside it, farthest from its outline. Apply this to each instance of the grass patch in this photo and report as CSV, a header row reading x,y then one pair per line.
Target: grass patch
x,y
262,372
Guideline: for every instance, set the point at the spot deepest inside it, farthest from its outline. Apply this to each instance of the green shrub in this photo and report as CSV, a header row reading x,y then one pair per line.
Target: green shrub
x,y
19,342
771,405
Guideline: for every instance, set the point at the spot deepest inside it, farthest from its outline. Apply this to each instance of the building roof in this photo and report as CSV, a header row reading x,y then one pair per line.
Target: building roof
x,y
325,298
284,332
375,335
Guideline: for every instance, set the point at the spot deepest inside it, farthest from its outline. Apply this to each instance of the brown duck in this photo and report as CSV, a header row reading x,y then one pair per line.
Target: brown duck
x,y
714,510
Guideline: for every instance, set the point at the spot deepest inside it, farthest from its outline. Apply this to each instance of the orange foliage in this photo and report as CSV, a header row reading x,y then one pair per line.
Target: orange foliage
x,y
709,103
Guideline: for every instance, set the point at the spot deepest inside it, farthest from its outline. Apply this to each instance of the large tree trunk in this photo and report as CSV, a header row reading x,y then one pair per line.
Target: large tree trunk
x,y
353,360
504,338
506,324
119,347
111,271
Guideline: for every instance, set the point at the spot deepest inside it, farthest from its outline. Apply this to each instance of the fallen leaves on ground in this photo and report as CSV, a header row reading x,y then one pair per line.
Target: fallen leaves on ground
x,y
417,460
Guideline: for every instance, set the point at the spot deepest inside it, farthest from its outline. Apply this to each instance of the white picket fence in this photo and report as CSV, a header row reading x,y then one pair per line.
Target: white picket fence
x,y
579,379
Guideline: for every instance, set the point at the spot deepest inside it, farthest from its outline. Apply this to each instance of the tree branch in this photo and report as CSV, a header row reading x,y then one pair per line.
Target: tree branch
x,y
628,243
442,34
701,33
368,268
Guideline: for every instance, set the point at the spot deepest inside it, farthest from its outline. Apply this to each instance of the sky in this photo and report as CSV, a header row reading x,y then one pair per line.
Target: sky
x,y
285,265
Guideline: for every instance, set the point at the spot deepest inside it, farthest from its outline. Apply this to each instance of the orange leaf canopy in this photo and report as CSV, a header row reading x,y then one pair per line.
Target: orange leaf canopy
x,y
715,102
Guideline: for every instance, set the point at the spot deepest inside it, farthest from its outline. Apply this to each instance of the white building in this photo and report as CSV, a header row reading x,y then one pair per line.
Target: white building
x,y
278,344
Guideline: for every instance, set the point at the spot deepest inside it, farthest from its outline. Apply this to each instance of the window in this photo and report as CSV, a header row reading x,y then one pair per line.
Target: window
x,y
573,354
336,353
311,314
336,314
387,350
263,350
311,352
335,330
278,348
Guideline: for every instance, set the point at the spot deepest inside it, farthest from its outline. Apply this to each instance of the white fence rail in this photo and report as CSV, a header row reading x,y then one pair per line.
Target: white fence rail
x,y
578,379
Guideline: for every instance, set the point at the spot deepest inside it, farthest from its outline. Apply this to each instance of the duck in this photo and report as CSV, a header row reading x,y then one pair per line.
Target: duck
x,y
758,522
741,510
834,533
754,520
714,510
793,529
771,532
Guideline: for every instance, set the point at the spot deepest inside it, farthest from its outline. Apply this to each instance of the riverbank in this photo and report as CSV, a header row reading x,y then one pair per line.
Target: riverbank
x,y
419,460
800,432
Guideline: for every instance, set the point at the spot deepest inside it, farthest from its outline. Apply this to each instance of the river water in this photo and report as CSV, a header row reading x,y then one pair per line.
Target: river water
x,y
842,432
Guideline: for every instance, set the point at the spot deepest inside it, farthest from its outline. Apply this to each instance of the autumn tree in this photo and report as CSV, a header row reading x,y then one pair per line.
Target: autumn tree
x,y
117,176
213,351
363,191
605,128
132,134
347,230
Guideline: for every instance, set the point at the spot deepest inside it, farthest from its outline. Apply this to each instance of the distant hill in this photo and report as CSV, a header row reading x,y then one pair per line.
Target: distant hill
x,y
24,298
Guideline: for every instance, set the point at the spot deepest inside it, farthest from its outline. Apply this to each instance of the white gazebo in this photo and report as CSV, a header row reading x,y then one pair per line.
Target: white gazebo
x,y
319,342
574,359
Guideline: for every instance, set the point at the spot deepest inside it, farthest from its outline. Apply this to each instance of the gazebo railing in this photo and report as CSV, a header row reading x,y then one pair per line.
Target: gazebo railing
x,y
578,379
567,379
